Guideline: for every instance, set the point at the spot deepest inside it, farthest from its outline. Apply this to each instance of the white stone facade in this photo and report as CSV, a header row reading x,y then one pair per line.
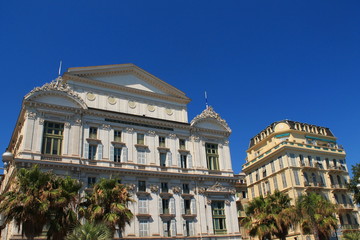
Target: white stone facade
x,y
120,121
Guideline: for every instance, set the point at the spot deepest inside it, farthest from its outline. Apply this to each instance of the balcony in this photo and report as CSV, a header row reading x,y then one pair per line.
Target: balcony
x,y
350,227
308,166
335,169
346,207
312,185
57,158
338,187
188,214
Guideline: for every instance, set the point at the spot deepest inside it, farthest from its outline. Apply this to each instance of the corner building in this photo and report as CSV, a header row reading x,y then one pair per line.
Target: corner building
x,y
297,158
119,120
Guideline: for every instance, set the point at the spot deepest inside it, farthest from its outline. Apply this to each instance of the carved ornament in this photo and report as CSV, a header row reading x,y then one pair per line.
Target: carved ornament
x,y
209,113
131,187
154,188
176,189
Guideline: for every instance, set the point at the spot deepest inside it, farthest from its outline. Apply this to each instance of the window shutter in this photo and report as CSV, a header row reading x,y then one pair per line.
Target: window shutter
x,y
179,160
166,234
190,162
184,227
182,205
173,227
146,207
191,228
160,206
124,154
100,151
86,150
111,153
172,205
146,228
169,159
193,206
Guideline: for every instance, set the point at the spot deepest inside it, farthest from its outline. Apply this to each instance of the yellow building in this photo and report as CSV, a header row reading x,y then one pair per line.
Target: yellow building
x,y
296,158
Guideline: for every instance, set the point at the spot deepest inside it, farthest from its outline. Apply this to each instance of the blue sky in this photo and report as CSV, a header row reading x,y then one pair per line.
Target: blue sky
x,y
259,61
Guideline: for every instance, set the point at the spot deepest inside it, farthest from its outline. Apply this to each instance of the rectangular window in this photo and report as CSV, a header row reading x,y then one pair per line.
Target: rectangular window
x,y
187,205
93,133
264,171
117,154
140,138
283,177
281,165
164,187
188,228
163,159
257,175
143,206
310,161
292,160
142,186
251,179
186,188
165,206
143,228
52,138
259,189
301,160
183,161
272,166
167,228
182,144
117,136
161,141
141,156
92,152
253,192
296,177
91,181
275,183
267,187
218,216
212,156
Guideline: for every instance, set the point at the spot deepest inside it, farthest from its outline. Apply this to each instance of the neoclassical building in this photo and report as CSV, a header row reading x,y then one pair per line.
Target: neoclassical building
x,y
297,158
119,120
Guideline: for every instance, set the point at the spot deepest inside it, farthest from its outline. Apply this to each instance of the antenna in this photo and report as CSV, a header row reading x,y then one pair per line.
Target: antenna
x,y
206,100
60,68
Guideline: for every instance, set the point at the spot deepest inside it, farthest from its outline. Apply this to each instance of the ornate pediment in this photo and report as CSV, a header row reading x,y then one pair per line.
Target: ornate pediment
x,y
55,88
219,188
209,115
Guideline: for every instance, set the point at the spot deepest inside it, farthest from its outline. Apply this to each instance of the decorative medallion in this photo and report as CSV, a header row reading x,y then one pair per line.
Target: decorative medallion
x,y
169,111
111,100
202,190
227,202
90,96
151,108
132,104
172,136
151,133
154,188
208,201
67,125
31,115
130,187
176,189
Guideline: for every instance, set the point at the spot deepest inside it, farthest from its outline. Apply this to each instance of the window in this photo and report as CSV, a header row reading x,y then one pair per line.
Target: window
x,y
281,165
275,183
243,194
141,156
336,198
167,228
182,144
292,159
91,181
164,187
272,166
93,133
183,159
143,228
252,192
117,136
165,206
343,199
306,179
267,187
142,186
187,204
218,216
212,156
251,179
140,138
301,160
117,154
296,176
331,180
283,177
259,189
313,175
161,141
310,161
264,171
338,179
257,175
52,138
143,206
163,159
186,188
92,152
189,229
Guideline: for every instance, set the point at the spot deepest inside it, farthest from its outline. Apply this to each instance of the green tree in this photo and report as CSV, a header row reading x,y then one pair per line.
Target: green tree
x,y
90,231
272,215
354,181
38,199
108,204
317,215
351,236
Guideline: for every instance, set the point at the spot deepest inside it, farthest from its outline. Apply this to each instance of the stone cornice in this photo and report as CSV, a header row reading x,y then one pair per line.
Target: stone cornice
x,y
210,114
56,87
177,99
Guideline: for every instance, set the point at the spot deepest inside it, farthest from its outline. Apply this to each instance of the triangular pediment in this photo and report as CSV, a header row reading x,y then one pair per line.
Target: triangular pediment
x,y
126,77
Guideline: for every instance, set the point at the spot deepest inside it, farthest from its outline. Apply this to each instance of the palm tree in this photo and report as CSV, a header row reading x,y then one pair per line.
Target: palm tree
x,y
25,202
317,215
38,199
272,215
90,231
108,204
